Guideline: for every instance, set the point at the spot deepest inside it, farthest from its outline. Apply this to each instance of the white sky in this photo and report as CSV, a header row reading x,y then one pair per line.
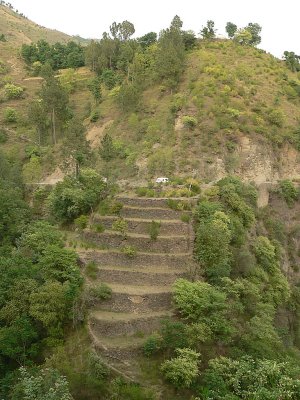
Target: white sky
x,y
89,18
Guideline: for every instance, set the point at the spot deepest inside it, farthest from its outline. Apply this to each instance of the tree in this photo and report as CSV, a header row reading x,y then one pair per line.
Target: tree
x,y
250,35
43,384
95,88
76,196
202,303
189,39
292,61
37,236
247,378
183,369
107,150
18,340
48,304
126,30
231,29
128,97
55,100
76,145
255,30
147,40
212,246
59,264
170,54
38,115
208,32
14,213
243,37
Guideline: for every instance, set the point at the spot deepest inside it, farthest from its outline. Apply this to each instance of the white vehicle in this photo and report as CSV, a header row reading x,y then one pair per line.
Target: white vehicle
x,y
162,180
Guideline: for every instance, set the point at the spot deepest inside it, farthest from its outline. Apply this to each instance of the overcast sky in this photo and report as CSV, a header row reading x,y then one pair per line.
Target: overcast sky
x,y
89,18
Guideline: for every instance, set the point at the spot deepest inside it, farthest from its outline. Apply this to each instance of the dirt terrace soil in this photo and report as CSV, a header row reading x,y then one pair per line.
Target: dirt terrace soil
x,y
141,285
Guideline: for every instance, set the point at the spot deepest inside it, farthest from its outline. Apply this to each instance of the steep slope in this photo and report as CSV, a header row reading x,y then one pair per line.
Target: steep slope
x,y
142,284
18,29
244,105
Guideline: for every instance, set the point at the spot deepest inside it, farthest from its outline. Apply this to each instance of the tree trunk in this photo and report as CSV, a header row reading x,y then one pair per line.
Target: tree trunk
x,y
53,127
76,169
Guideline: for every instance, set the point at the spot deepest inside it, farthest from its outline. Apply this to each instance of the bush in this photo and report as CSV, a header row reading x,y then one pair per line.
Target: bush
x,y
95,115
115,208
3,136
97,367
288,191
189,122
154,228
12,91
152,345
81,222
91,269
120,225
73,197
100,292
129,251
185,218
276,117
183,369
99,228
10,115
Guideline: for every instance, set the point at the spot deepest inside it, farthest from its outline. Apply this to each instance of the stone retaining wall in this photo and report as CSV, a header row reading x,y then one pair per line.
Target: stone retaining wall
x,y
144,244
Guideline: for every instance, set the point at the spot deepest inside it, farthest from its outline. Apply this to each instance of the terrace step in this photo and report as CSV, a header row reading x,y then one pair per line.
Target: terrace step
x,y
109,323
142,226
180,261
131,300
154,213
143,276
163,244
161,202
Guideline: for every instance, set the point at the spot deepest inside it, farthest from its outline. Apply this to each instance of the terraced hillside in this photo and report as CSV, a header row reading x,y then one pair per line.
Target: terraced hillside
x,y
141,284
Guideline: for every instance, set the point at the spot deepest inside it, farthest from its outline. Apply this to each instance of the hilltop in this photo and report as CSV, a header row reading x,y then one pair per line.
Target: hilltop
x,y
235,110
18,29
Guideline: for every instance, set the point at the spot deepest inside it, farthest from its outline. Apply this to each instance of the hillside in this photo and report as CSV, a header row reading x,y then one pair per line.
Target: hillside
x,y
114,286
243,102
19,29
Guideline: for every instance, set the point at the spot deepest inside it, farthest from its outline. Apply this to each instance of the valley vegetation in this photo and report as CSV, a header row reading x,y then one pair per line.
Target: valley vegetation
x,y
236,332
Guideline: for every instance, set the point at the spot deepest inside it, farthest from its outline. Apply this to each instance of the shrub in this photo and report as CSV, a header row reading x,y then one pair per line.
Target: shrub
x,y
115,208
91,269
100,292
152,345
75,196
189,122
276,117
173,334
183,369
185,218
12,91
178,205
95,115
3,136
97,367
10,115
129,251
141,191
120,225
81,222
154,228
288,191
99,228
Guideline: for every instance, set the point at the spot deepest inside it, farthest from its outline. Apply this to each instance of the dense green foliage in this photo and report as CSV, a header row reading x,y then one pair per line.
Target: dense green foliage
x,y
70,55
44,384
76,196
247,351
